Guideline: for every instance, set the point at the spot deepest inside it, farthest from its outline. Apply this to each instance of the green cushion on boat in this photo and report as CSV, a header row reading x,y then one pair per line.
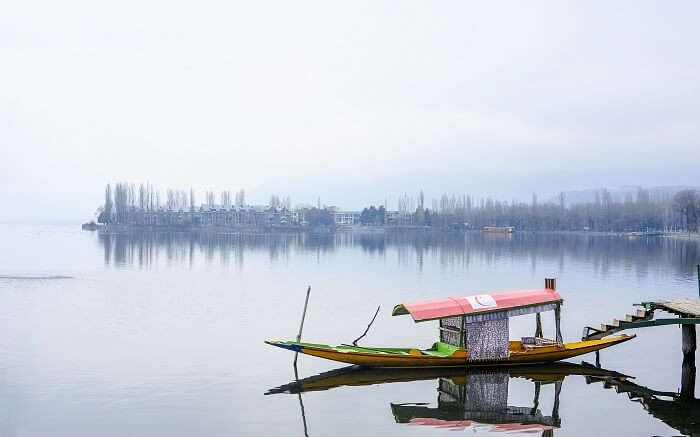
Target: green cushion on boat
x,y
440,349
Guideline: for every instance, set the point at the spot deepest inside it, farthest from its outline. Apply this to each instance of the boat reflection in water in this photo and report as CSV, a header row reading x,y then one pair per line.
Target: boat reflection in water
x,y
472,398
480,399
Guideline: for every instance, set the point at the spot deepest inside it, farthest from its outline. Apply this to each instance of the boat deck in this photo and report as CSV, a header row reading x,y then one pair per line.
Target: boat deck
x,y
438,349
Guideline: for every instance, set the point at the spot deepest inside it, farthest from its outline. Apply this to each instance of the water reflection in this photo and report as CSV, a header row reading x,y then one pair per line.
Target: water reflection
x,y
481,398
679,410
602,253
467,399
478,398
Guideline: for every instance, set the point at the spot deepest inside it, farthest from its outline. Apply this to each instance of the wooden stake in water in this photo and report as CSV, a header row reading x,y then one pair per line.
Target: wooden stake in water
x,y
698,279
301,326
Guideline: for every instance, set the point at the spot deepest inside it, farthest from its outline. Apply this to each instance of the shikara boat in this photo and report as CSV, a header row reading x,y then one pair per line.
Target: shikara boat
x,y
473,332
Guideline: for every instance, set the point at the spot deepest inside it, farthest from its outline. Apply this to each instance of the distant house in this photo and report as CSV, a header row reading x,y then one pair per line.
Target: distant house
x,y
498,229
226,216
345,218
398,218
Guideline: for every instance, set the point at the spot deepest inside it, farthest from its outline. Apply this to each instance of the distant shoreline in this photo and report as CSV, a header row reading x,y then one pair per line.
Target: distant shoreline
x,y
122,228
117,228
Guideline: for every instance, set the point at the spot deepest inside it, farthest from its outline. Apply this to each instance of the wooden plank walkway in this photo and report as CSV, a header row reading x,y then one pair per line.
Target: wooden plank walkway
x,y
682,307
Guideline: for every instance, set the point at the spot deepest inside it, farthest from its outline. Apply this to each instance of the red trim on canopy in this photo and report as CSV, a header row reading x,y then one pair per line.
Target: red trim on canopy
x,y
476,303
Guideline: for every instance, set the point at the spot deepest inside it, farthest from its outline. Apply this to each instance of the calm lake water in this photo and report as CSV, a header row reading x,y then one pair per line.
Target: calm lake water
x,y
162,334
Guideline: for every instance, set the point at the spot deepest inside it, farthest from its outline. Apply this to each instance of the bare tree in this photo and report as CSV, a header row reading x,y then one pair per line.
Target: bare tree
x,y
106,214
171,202
142,197
210,199
226,199
275,201
687,203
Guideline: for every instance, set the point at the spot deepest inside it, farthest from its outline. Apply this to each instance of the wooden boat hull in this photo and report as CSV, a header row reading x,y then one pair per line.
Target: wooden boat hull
x,y
414,358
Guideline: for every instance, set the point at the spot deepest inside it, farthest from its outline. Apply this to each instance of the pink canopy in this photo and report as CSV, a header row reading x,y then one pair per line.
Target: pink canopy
x,y
477,304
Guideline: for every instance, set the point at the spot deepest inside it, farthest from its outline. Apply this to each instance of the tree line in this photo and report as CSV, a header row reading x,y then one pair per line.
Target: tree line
x,y
635,212
127,198
638,211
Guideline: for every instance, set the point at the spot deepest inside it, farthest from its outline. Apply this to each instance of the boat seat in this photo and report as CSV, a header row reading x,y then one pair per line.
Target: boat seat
x,y
534,342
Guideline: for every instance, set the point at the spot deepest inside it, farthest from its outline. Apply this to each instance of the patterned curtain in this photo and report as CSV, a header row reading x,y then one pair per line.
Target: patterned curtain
x,y
487,340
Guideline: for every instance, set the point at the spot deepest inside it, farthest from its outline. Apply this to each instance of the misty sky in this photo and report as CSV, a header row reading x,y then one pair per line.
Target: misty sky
x,y
354,102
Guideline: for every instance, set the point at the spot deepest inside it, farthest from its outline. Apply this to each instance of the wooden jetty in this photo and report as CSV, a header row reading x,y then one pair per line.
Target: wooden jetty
x,y
688,311
688,315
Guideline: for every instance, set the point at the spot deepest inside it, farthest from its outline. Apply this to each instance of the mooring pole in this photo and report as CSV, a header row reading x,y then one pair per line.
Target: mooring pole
x,y
303,416
698,280
301,326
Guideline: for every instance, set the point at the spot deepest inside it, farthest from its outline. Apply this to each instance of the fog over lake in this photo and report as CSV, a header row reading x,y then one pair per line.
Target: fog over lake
x,y
175,175
353,103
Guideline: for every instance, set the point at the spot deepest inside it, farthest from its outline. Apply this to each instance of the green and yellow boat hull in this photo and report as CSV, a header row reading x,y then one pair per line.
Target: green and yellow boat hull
x,y
445,355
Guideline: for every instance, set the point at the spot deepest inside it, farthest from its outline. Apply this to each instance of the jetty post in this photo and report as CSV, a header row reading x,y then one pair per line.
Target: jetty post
x,y
688,370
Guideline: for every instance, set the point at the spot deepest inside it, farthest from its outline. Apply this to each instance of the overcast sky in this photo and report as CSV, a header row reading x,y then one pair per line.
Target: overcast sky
x,y
354,102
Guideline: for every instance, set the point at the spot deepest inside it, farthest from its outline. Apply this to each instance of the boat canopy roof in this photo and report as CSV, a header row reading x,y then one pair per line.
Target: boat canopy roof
x,y
485,306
